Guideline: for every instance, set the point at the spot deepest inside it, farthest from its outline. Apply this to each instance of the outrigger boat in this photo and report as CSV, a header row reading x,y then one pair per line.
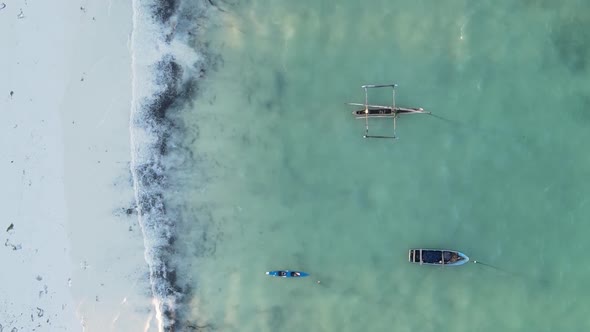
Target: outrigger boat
x,y
437,257
379,111
287,274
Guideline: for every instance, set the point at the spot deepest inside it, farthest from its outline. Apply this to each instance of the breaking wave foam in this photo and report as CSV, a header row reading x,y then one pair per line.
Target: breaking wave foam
x,y
165,70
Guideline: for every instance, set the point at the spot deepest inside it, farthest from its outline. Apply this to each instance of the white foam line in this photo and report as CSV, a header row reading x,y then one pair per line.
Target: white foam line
x,y
134,145
148,323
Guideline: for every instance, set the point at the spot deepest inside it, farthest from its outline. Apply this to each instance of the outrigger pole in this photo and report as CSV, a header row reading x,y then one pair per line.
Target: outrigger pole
x,y
366,113
368,86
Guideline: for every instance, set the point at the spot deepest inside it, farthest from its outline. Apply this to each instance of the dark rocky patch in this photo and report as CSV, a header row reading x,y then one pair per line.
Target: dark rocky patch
x,y
581,111
570,39
277,318
269,104
280,83
200,328
163,10
151,175
130,211
212,3
206,246
169,74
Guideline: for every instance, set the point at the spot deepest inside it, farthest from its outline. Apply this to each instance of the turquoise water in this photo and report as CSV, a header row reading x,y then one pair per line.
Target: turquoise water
x,y
286,181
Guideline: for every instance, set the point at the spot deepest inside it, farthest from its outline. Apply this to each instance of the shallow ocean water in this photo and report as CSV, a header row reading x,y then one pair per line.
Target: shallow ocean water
x,y
284,179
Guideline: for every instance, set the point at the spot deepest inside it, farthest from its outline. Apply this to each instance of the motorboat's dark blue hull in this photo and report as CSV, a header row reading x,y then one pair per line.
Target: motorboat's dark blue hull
x,y
437,257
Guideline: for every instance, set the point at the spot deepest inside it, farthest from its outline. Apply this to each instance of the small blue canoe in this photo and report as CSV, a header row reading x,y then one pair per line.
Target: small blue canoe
x,y
437,257
287,274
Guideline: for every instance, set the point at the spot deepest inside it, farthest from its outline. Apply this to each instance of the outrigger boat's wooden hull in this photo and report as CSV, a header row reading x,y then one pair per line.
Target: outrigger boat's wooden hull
x,y
385,112
437,257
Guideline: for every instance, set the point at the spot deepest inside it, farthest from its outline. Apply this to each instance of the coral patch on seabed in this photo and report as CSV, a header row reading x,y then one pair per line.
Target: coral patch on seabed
x,y
570,39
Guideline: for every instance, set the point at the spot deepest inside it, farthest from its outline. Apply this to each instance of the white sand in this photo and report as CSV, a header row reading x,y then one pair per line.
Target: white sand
x,y
64,153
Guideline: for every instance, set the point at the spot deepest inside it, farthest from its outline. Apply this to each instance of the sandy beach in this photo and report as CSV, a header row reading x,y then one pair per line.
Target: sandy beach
x,y
73,255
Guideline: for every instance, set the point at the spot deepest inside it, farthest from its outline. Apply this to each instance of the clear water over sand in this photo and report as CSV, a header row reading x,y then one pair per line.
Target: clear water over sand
x,y
286,181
